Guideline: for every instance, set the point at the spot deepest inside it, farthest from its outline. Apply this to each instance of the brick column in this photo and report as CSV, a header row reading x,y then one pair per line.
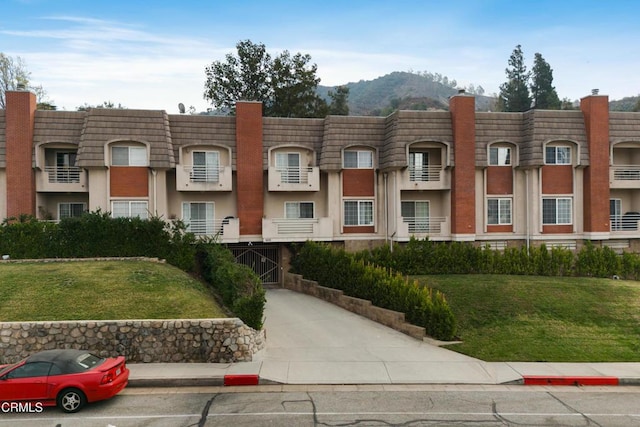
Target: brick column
x,y
250,174
20,118
463,208
596,176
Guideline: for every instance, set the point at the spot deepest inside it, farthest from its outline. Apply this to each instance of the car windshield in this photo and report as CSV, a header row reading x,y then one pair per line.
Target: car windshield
x,y
8,368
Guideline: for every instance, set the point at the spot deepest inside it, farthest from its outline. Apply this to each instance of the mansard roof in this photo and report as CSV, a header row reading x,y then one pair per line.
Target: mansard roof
x,y
105,125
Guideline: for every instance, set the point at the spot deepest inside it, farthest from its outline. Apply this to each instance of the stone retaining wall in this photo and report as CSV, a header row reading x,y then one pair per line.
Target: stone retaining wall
x,y
393,319
192,340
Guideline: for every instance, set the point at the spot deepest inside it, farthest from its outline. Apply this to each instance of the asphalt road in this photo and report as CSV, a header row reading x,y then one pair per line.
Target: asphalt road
x,y
293,406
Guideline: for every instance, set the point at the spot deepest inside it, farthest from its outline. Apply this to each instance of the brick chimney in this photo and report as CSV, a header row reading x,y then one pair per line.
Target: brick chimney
x,y
595,109
21,188
463,194
250,174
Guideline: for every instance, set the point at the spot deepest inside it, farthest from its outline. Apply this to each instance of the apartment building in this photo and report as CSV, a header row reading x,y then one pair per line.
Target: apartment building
x,y
256,183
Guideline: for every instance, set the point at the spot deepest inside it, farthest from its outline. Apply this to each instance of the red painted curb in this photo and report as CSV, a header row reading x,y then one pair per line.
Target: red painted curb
x,y
247,379
569,380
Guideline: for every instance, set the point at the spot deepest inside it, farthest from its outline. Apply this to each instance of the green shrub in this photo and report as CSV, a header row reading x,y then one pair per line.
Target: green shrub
x,y
335,268
238,285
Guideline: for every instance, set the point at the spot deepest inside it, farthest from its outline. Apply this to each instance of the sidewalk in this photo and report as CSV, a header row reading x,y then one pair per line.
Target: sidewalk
x,y
310,341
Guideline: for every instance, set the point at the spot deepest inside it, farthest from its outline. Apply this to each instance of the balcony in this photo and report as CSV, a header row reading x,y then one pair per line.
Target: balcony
x,y
69,179
425,178
225,230
624,176
625,224
422,227
297,230
294,179
204,178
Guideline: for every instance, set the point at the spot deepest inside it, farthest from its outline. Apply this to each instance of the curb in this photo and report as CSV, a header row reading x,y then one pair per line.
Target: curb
x,y
572,380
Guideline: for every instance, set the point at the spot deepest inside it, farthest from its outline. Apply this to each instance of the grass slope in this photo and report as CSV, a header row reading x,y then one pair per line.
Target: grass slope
x,y
559,319
101,290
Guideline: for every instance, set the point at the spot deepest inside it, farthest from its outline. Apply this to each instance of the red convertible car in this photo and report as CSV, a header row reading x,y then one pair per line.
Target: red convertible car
x,y
65,378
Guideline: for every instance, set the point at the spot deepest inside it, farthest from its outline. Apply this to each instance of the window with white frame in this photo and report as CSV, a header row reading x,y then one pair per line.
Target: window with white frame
x,y
500,156
130,209
199,217
358,159
556,211
129,156
70,210
206,166
297,210
416,214
557,155
288,164
499,211
358,212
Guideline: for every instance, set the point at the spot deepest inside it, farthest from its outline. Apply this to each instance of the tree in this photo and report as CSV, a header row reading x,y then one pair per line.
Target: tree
x,y
514,93
637,106
14,74
105,104
542,91
339,105
285,85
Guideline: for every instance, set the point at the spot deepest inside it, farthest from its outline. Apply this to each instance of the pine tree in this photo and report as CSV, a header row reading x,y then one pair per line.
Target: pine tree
x,y
514,93
543,93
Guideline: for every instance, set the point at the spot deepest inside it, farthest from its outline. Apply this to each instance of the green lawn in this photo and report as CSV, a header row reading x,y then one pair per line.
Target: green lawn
x,y
101,290
559,319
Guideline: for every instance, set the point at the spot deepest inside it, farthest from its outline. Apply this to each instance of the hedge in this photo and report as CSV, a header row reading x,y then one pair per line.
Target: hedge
x,y
335,268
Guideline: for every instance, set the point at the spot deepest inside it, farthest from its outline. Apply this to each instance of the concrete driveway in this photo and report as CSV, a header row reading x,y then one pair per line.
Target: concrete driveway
x,y
310,341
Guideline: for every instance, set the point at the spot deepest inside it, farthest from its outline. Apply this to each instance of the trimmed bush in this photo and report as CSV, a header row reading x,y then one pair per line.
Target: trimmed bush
x,y
238,285
337,269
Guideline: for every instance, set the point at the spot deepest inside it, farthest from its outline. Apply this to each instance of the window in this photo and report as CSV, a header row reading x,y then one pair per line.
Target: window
x,y
199,217
499,156
557,155
129,209
556,211
358,159
296,210
416,213
358,212
615,214
498,211
419,166
71,210
288,164
129,156
206,166
30,370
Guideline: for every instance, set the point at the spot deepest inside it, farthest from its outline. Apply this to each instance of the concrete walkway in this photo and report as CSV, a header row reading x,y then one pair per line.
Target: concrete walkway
x,y
310,341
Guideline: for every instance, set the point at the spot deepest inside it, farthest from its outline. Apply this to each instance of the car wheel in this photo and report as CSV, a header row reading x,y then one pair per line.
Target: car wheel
x,y
71,400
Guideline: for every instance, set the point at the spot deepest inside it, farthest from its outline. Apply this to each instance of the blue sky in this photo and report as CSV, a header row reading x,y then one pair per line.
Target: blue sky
x,y
152,54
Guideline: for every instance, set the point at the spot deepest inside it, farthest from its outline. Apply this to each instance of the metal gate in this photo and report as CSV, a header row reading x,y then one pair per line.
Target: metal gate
x,y
263,259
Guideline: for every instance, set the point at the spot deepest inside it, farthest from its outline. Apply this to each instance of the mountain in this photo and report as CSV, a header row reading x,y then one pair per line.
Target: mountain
x,y
411,91
400,90
625,104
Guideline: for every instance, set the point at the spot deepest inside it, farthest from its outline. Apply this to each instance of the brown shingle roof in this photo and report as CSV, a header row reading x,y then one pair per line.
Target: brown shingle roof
x,y
624,126
405,127
202,130
287,131
343,131
104,125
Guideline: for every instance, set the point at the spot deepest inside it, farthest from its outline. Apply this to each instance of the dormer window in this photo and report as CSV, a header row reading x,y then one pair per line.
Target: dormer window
x,y
500,156
557,155
358,159
129,156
